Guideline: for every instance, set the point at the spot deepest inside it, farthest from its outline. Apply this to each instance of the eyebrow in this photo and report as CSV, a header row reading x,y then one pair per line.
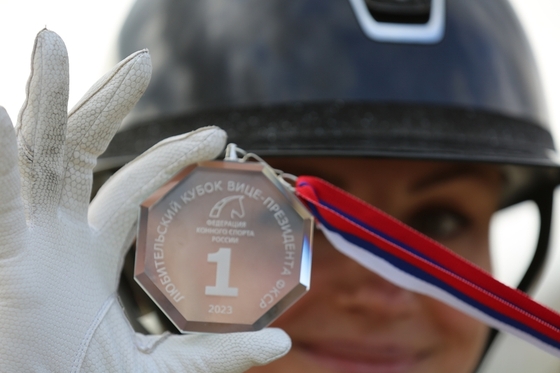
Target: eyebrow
x,y
446,176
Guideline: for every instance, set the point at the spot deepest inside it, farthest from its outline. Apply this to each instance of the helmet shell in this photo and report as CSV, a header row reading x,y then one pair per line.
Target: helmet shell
x,y
302,78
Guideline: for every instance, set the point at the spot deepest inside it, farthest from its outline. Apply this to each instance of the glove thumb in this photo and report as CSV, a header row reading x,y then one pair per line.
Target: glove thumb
x,y
234,352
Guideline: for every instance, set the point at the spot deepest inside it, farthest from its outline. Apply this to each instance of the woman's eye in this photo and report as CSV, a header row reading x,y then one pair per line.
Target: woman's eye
x,y
439,223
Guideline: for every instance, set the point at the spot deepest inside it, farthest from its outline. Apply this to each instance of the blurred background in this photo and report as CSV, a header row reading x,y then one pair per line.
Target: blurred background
x,y
90,30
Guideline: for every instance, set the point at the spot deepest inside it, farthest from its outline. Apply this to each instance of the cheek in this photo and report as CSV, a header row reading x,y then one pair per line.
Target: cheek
x,y
463,338
457,340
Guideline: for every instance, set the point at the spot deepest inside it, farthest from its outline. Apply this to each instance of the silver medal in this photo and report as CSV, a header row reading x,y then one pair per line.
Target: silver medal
x,y
224,247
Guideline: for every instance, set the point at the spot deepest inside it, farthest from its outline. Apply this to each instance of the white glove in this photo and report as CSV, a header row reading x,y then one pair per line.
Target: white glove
x,y
60,260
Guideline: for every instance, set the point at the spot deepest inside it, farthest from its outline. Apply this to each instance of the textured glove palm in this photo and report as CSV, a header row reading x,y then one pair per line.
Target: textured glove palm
x,y
60,257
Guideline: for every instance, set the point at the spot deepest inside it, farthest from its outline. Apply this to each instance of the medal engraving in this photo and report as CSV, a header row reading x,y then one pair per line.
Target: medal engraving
x,y
224,247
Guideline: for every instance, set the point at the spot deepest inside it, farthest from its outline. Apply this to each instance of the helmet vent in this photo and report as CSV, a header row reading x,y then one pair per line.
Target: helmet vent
x,y
401,21
400,11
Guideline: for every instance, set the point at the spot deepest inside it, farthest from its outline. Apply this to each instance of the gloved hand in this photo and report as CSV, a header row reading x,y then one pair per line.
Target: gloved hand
x,y
60,259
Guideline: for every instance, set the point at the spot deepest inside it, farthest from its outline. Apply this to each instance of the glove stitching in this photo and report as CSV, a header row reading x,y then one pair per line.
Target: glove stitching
x,y
276,357
39,99
93,96
149,348
27,89
26,150
148,186
81,353
171,140
127,245
109,79
70,153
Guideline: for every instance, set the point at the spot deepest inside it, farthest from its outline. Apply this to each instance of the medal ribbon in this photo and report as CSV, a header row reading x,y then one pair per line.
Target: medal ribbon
x,y
417,263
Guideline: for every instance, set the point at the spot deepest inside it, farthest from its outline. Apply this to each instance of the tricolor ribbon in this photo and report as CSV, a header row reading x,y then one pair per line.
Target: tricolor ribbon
x,y
415,262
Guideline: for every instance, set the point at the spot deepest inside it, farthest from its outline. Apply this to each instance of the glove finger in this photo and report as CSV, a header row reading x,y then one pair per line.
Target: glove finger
x,y
234,352
114,210
93,122
42,125
12,218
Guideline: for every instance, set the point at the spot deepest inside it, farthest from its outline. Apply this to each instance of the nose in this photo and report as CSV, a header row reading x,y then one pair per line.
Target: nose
x,y
356,289
367,292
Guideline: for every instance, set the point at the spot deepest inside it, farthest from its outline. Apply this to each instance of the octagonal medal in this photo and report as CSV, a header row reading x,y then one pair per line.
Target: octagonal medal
x,y
224,247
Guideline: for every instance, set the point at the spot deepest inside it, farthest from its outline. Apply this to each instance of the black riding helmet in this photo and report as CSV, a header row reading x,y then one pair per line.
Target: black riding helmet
x,y
417,79
310,77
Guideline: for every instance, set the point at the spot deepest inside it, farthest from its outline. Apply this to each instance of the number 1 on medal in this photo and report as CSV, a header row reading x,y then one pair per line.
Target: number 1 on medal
x,y
223,259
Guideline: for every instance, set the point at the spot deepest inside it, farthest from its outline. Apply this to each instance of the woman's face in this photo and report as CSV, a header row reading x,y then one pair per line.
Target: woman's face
x,y
352,320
